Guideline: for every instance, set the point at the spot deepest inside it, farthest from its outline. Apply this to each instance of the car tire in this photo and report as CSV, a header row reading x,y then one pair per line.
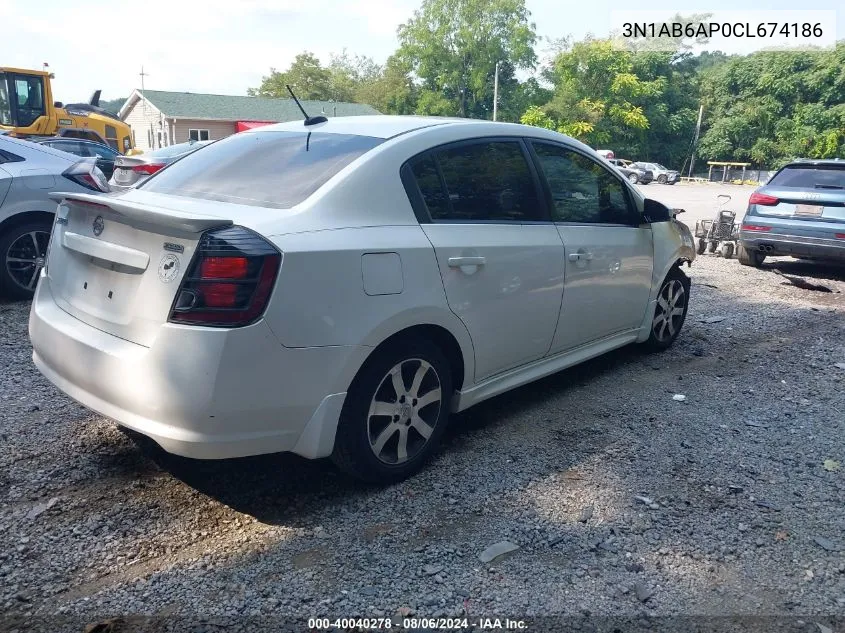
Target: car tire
x,y
727,250
662,179
633,179
666,323
750,258
369,444
19,277
702,246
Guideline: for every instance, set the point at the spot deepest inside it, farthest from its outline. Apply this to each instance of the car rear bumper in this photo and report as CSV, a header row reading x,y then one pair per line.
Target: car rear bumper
x,y
796,245
205,393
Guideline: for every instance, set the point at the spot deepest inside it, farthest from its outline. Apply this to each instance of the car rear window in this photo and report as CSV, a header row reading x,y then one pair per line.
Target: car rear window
x,y
264,169
810,177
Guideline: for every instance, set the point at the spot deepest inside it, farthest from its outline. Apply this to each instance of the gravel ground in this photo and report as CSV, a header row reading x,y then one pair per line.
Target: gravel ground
x,y
623,501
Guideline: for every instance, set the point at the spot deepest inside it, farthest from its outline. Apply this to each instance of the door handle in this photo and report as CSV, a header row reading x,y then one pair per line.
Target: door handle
x,y
574,257
457,262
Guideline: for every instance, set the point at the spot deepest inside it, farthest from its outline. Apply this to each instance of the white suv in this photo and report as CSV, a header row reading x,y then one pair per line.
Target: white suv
x,y
339,289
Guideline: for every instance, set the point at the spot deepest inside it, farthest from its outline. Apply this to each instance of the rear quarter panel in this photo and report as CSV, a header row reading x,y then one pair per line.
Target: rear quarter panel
x,y
320,297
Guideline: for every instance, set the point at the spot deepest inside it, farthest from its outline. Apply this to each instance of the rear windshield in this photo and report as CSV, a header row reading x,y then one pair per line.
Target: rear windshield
x,y
264,169
810,177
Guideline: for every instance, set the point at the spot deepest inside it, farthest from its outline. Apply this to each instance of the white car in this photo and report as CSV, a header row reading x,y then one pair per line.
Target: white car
x,y
339,289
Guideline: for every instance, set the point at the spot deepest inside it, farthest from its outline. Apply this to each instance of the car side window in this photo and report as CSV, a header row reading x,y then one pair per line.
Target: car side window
x,y
582,190
100,151
8,157
486,181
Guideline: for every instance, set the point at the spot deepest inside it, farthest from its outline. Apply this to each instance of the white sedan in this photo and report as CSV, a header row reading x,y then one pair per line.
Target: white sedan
x,y
338,289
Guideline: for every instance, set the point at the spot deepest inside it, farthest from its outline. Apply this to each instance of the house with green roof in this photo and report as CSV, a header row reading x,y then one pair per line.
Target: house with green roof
x,y
160,118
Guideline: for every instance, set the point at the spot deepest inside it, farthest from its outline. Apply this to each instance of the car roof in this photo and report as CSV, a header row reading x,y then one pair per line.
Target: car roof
x,y
17,145
816,161
70,139
378,126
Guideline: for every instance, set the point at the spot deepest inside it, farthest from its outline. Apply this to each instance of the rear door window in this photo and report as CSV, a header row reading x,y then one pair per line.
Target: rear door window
x,y
810,177
488,181
265,169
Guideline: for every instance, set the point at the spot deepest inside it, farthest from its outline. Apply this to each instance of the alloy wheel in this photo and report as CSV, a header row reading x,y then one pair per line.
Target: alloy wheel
x,y
25,258
404,411
669,313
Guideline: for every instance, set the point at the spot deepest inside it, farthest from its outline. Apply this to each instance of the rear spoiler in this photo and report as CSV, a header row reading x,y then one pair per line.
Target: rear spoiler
x,y
148,214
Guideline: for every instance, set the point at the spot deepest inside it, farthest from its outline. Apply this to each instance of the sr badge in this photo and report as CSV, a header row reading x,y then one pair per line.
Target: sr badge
x,y
168,268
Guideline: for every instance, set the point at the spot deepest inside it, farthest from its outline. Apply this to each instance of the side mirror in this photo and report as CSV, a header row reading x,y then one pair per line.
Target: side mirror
x,y
655,211
58,104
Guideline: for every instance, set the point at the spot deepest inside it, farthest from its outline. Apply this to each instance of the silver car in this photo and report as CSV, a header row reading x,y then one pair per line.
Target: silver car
x,y
131,171
28,174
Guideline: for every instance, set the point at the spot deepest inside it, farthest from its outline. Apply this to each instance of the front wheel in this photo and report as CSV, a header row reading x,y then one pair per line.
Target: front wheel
x,y
662,179
670,312
633,179
23,251
727,250
702,245
395,413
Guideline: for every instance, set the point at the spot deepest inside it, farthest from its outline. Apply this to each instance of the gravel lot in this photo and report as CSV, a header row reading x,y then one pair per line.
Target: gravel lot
x,y
622,500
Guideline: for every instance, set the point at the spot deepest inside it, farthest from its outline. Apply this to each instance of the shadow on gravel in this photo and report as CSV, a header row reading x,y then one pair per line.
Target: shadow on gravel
x,y
274,489
284,489
807,268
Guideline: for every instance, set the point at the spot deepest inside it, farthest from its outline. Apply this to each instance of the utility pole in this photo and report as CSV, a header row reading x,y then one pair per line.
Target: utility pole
x,y
143,97
496,92
695,140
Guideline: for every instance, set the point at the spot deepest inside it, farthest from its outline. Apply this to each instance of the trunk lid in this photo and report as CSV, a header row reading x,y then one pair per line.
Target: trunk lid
x,y
124,174
116,264
797,204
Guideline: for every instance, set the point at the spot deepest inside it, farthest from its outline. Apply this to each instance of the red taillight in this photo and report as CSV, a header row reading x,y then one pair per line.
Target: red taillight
x,y
148,169
755,227
223,267
762,198
230,280
839,236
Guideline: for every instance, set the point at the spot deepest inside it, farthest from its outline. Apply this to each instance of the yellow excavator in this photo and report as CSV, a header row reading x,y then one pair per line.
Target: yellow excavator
x,y
27,109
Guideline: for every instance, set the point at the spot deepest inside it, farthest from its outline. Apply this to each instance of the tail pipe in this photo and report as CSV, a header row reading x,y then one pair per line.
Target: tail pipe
x,y
765,248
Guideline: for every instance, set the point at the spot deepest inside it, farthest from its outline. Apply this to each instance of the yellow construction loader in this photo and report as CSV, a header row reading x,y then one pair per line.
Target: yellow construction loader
x,y
27,109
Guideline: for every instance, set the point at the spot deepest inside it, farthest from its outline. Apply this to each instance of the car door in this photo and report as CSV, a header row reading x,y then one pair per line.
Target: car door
x,y
608,246
500,256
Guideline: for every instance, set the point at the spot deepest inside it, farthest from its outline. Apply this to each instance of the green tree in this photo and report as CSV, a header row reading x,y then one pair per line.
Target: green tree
x,y
770,107
308,78
452,47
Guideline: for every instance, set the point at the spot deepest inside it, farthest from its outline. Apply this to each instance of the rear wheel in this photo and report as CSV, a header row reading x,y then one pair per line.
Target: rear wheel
x,y
727,250
670,312
23,250
702,245
396,411
750,258
633,178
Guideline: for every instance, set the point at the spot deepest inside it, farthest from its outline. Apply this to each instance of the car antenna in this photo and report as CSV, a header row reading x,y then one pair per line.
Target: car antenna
x,y
308,119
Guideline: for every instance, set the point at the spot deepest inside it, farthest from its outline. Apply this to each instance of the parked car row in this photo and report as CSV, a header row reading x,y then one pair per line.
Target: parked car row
x,y
640,172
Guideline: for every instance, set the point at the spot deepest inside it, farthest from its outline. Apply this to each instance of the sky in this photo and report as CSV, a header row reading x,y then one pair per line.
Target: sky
x,y
226,46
